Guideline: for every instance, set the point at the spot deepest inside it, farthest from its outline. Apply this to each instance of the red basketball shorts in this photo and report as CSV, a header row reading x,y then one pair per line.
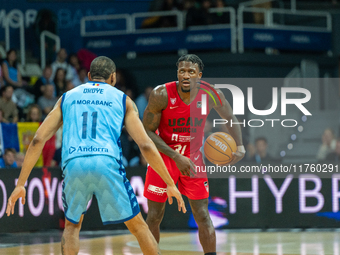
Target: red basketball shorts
x,y
193,188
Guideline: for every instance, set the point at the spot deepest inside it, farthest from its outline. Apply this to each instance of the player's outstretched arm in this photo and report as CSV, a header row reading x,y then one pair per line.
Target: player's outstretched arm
x,y
47,129
226,112
135,129
158,101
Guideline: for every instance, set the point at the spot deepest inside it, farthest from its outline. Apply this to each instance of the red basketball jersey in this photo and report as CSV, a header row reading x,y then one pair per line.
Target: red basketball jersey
x,y
181,126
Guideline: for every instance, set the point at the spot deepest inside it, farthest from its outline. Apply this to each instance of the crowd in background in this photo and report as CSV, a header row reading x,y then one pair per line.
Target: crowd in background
x,y
197,13
200,13
32,98
329,149
24,102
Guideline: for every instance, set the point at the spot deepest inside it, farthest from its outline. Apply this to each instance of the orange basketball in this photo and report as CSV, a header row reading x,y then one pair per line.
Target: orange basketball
x,y
218,148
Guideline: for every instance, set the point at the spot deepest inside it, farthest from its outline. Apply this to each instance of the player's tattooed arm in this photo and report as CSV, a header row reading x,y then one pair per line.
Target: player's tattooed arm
x,y
158,101
135,107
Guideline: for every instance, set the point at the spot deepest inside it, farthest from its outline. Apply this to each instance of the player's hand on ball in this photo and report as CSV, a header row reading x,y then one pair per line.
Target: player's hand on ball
x,y
238,155
18,192
172,191
185,165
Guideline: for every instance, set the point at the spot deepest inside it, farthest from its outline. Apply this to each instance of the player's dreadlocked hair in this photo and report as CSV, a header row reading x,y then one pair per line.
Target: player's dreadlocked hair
x,y
102,67
193,59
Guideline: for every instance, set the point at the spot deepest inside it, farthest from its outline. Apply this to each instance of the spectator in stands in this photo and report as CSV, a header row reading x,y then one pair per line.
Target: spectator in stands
x,y
125,81
85,58
82,77
46,20
8,159
258,17
221,17
162,21
188,4
75,66
58,142
335,155
1,116
168,21
9,108
261,155
19,159
69,86
1,79
47,100
142,101
10,71
121,80
250,152
22,98
62,63
130,93
34,114
43,80
199,15
60,82
328,144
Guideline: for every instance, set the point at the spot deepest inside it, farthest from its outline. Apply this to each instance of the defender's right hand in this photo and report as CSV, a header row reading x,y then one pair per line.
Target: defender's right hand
x,y
172,191
185,165
18,192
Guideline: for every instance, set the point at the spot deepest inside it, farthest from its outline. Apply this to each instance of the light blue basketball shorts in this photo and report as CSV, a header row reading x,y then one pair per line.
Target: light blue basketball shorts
x,y
103,177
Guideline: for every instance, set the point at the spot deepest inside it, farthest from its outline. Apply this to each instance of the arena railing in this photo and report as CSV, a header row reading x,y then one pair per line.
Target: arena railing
x,y
232,25
2,52
133,24
323,17
178,14
43,36
15,19
125,17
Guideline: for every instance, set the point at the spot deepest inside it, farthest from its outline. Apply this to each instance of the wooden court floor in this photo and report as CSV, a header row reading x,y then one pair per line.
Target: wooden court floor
x,y
228,243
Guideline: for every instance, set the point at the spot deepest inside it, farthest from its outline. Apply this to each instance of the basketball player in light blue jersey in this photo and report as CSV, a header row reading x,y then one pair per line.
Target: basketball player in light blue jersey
x,y
92,116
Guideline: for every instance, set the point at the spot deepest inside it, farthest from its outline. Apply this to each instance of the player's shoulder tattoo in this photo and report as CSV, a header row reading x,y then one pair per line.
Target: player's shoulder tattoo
x,y
134,106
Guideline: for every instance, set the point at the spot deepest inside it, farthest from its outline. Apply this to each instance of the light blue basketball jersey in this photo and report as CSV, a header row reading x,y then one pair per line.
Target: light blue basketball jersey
x,y
93,116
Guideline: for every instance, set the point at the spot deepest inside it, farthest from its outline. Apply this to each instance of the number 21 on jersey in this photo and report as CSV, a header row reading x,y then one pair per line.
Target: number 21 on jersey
x,y
180,149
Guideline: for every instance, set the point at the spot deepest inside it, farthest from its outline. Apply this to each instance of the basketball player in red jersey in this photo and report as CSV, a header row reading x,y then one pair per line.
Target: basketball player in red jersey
x,y
179,139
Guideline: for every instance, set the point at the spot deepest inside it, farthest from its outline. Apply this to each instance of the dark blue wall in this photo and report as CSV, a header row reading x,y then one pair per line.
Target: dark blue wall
x,y
69,15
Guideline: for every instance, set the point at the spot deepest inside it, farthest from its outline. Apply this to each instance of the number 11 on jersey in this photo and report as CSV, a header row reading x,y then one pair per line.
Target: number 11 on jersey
x,y
94,125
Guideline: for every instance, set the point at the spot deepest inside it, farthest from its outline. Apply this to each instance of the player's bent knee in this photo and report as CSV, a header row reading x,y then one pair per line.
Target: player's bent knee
x,y
155,216
73,226
203,219
138,229
136,224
